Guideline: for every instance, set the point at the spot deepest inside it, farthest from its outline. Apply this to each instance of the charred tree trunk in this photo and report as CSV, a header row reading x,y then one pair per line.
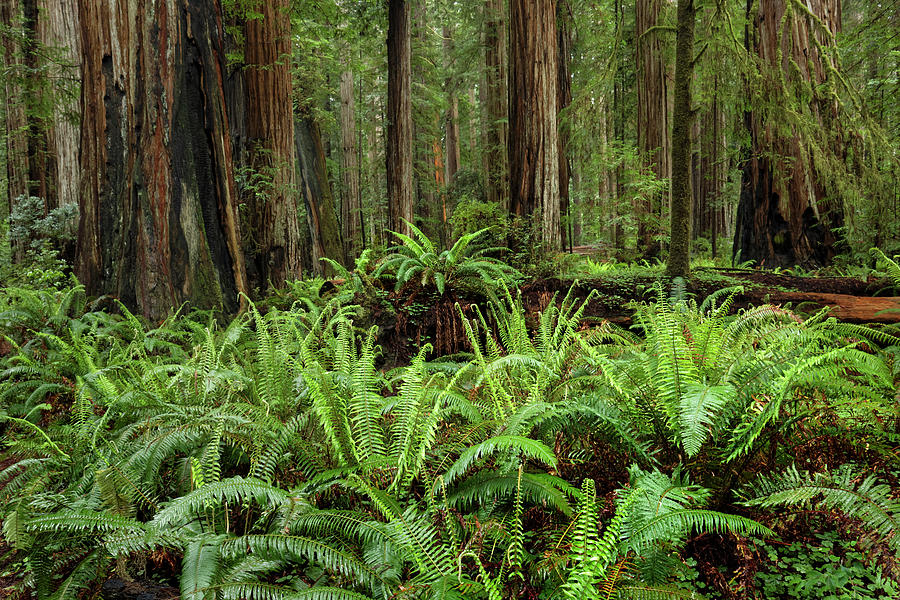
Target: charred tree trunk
x,y
159,222
276,255
653,125
315,189
533,136
679,263
399,155
783,218
351,224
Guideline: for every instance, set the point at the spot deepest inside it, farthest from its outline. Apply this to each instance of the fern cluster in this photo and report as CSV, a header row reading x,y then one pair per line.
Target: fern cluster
x,y
274,457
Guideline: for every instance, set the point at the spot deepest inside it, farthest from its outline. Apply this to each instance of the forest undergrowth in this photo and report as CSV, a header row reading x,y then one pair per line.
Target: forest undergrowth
x,y
702,452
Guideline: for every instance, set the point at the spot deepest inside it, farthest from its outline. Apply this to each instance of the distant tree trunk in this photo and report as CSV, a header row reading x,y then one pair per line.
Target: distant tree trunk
x,y
496,72
276,255
14,104
564,99
533,136
710,209
429,153
679,263
451,132
783,218
452,126
653,126
351,224
399,156
159,222
58,30
315,189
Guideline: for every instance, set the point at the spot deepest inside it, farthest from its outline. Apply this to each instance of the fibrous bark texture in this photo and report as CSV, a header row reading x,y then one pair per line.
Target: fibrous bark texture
x,y
533,136
276,254
58,32
496,71
783,217
14,104
158,214
399,157
564,99
653,122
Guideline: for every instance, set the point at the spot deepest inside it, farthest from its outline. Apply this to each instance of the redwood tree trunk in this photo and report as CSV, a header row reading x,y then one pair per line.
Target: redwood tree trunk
x,y
564,99
783,218
158,220
452,126
351,225
58,28
276,255
653,124
399,155
496,105
14,104
533,136
315,188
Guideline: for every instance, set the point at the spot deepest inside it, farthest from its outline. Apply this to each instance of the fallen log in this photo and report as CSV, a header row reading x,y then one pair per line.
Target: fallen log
x,y
854,309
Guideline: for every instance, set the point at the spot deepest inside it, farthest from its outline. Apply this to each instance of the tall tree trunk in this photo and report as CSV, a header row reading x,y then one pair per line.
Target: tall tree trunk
x,y
783,219
429,153
533,136
709,211
399,155
351,224
58,31
564,99
159,223
451,130
14,103
679,263
452,122
276,255
653,125
315,189
496,96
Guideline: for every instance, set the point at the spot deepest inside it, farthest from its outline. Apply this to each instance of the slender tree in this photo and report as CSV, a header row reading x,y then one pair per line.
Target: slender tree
x,y
533,104
351,224
679,262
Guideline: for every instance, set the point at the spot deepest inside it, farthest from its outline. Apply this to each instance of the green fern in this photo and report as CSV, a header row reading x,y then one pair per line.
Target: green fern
x,y
846,489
